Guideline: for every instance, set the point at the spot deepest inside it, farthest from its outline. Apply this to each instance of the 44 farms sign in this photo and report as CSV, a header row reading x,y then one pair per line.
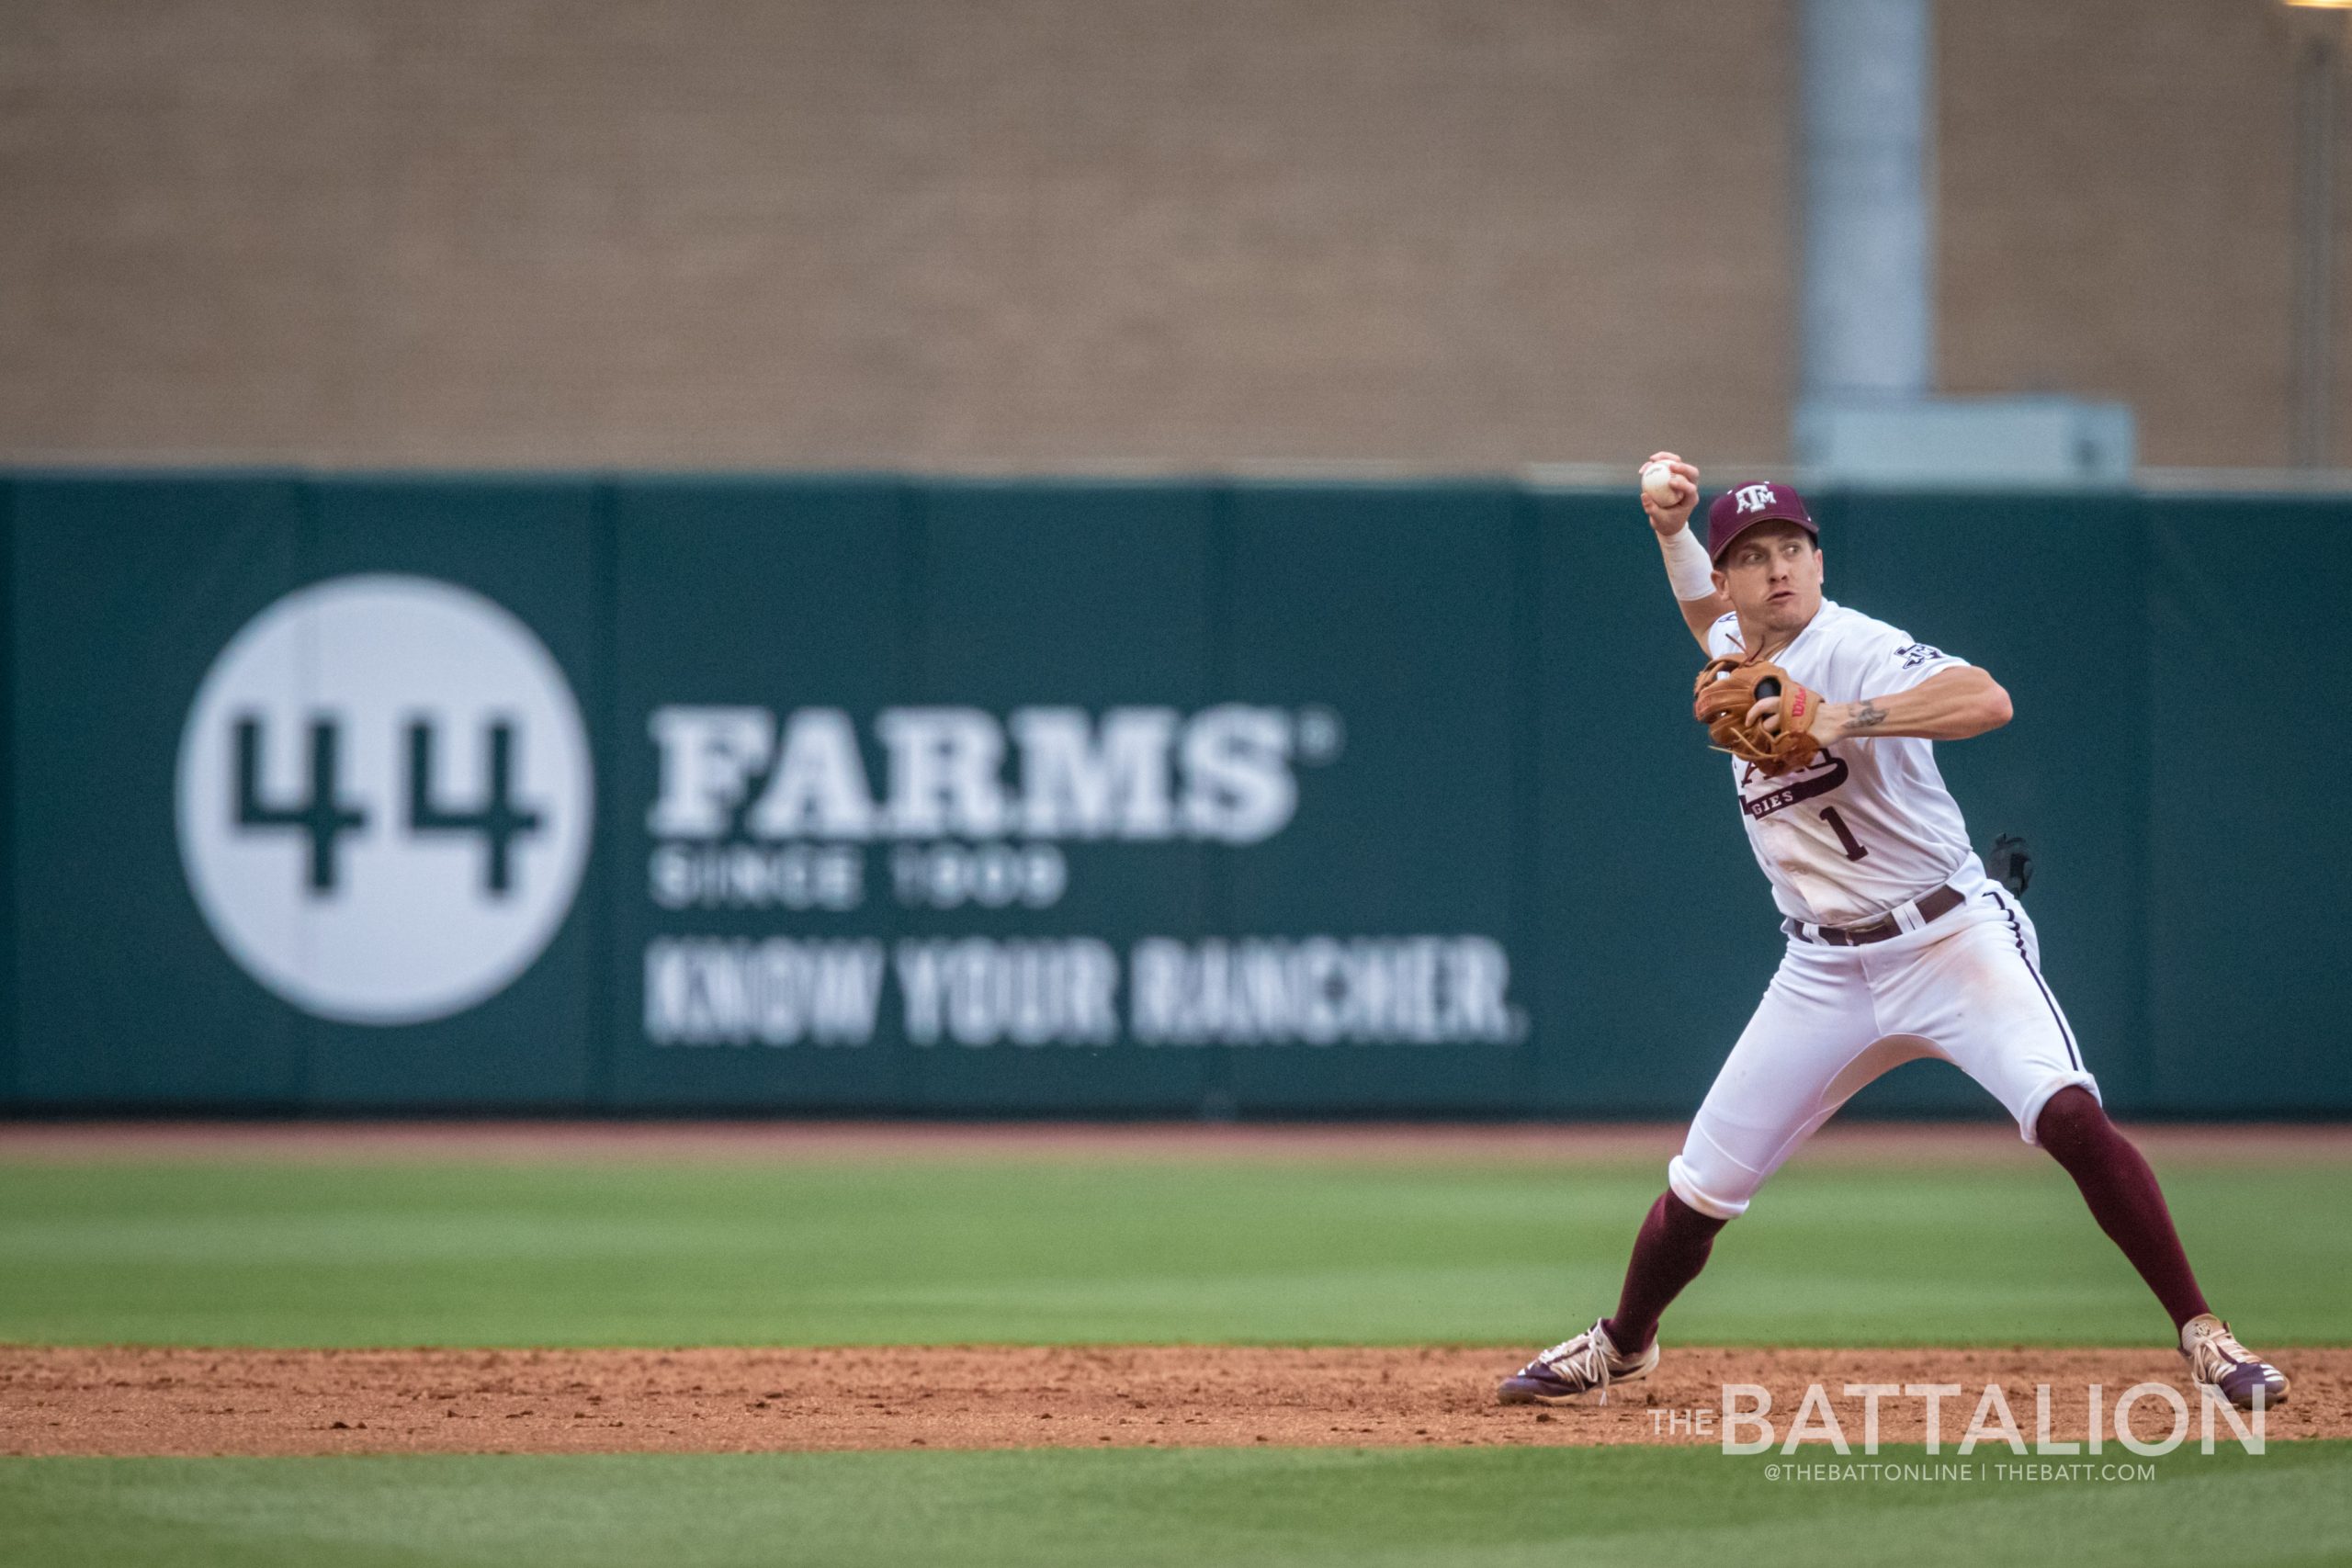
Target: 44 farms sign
x,y
756,812
385,796
386,804
969,810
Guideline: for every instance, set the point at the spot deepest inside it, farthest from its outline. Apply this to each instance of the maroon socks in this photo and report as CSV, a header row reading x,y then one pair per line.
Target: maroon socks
x,y
1668,1255
2122,1194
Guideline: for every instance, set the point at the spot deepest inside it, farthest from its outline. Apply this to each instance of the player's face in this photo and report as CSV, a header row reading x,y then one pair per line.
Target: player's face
x,y
1773,577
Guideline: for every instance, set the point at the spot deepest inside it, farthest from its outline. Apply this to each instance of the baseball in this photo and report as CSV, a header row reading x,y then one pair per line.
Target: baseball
x,y
1657,483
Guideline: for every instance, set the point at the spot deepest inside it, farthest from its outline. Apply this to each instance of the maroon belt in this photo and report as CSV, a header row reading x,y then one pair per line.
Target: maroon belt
x,y
1942,901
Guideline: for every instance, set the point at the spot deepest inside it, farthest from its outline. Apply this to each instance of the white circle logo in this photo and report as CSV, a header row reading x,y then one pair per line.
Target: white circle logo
x,y
384,798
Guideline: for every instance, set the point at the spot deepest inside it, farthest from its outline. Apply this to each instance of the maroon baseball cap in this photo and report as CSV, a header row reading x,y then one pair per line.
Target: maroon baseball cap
x,y
1739,509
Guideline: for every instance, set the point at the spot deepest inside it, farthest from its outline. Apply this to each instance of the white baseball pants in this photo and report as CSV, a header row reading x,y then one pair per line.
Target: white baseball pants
x,y
1966,987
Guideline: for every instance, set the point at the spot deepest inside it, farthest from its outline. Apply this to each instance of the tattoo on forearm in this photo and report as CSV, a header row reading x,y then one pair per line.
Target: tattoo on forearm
x,y
1869,716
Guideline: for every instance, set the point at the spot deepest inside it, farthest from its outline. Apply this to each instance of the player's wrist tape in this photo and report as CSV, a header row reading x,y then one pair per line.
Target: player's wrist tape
x,y
1688,570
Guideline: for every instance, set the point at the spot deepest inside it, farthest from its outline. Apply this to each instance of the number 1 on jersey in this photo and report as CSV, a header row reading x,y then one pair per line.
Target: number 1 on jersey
x,y
1853,846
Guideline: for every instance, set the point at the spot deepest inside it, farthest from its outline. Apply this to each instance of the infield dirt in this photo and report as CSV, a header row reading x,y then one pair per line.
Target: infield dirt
x,y
200,1402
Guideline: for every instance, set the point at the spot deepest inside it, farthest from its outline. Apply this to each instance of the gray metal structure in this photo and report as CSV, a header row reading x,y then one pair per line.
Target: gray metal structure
x,y
1866,314
1866,409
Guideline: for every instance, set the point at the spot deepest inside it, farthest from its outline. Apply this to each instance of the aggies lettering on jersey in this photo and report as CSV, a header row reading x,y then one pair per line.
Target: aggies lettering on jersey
x,y
1869,824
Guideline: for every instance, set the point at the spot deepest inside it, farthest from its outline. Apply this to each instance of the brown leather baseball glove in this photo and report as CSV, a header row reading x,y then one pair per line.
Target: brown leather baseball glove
x,y
1727,688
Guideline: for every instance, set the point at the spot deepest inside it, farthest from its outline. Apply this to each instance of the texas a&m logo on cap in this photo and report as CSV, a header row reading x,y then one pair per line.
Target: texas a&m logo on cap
x,y
1738,510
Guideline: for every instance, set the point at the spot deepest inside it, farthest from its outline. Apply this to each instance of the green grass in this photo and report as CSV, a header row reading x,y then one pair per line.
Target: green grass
x,y
1060,1250
1282,1508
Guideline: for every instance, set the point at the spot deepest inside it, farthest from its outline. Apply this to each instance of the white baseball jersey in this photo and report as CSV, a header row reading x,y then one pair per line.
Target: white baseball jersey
x,y
1867,825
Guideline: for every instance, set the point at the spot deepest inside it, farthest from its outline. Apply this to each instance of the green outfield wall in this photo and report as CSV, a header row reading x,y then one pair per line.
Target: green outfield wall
x,y
884,796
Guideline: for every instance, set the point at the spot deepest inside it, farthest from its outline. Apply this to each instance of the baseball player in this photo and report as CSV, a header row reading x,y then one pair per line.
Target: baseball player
x,y
1899,944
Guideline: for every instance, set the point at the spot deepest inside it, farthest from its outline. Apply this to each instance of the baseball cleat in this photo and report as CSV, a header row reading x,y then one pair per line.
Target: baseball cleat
x,y
1575,1367
2217,1360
